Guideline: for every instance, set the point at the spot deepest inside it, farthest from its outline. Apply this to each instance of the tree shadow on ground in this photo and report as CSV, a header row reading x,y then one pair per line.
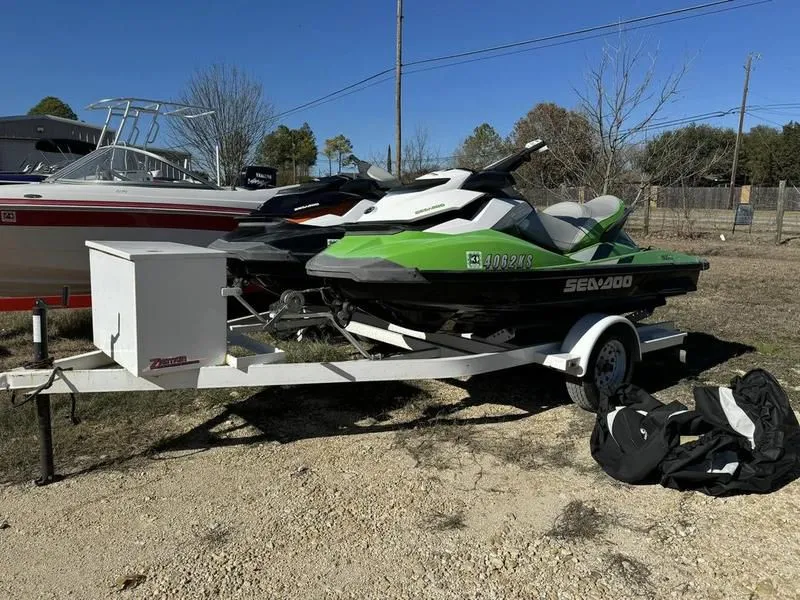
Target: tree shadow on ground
x,y
293,413
302,412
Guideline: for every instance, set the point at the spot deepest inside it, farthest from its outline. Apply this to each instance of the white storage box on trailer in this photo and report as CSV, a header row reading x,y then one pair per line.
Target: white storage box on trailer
x,y
157,306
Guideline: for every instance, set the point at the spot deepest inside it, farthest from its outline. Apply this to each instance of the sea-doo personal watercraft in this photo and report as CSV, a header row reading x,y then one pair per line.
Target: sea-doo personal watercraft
x,y
491,267
273,253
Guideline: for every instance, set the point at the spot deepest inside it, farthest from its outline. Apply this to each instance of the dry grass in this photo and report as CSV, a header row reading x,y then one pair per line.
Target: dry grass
x,y
444,521
635,572
579,521
751,295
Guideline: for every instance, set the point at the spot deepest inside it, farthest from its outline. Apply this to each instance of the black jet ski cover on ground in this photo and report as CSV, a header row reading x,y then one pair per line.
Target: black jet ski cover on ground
x,y
740,439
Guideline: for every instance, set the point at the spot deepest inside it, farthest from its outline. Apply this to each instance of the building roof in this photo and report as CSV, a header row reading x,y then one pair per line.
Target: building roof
x,y
51,118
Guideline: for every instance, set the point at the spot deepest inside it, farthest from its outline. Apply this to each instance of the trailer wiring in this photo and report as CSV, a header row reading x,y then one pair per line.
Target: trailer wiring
x,y
30,396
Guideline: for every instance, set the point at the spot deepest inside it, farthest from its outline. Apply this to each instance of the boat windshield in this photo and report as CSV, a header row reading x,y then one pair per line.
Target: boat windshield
x,y
125,165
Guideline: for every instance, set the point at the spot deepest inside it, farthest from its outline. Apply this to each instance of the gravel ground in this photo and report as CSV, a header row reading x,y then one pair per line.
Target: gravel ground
x,y
460,489
483,501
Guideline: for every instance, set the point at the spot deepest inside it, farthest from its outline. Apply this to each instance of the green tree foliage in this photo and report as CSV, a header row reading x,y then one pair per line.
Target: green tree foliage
x,y
789,152
292,151
481,148
570,142
692,155
761,158
337,148
50,105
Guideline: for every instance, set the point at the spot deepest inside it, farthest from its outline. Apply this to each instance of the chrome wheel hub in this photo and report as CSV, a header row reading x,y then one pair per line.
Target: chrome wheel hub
x,y
609,370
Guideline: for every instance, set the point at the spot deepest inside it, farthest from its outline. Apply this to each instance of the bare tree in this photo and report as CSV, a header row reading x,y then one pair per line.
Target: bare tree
x,y
419,157
242,117
623,98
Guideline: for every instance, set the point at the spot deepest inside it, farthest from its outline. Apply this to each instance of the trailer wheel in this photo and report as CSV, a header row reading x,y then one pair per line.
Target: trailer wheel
x,y
610,365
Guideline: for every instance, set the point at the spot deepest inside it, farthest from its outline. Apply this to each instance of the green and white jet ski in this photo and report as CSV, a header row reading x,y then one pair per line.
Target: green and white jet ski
x,y
483,271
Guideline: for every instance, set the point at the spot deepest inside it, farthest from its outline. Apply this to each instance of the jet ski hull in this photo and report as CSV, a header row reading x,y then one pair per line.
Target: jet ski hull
x,y
499,300
487,293
275,252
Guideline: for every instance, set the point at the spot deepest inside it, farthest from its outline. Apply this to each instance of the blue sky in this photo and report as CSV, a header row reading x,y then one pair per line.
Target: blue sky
x,y
300,50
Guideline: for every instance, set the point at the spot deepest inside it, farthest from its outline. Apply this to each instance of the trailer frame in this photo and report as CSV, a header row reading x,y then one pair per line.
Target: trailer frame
x,y
421,356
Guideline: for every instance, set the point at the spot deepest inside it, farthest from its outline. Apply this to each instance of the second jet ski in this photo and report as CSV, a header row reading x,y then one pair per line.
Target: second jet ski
x,y
272,253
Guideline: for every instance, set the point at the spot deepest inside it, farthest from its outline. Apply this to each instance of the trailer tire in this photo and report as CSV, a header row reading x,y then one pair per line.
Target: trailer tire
x,y
613,353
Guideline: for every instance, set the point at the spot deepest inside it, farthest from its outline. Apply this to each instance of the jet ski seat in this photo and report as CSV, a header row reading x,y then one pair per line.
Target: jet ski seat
x,y
567,226
572,226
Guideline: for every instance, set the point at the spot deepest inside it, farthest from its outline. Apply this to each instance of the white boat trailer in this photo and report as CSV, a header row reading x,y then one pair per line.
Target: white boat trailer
x,y
597,347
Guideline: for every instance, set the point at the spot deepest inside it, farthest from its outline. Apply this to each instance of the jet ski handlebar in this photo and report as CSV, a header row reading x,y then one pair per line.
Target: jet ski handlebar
x,y
514,161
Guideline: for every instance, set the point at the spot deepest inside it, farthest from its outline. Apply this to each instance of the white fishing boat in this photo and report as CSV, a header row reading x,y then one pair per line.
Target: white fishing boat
x,y
119,191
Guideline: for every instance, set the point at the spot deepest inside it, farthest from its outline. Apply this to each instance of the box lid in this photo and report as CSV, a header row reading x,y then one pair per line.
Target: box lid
x,y
138,251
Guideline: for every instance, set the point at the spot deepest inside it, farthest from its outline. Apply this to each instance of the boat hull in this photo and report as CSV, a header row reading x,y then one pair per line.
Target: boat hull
x,y
44,227
40,261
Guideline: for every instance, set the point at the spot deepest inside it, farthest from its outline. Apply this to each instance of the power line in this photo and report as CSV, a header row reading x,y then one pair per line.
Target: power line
x,y
320,103
764,119
345,88
572,33
586,37
690,9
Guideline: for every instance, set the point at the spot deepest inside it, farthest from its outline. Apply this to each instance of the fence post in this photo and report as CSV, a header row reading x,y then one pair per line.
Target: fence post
x,y
780,208
581,194
647,204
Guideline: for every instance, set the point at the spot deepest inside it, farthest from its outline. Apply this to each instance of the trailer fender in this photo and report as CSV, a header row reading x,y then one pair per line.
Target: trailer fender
x,y
587,330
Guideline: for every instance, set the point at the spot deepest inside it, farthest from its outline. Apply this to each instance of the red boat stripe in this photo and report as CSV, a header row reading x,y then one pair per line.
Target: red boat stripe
x,y
26,302
40,203
105,218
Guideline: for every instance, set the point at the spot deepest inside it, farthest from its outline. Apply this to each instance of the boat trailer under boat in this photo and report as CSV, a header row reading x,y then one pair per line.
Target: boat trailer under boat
x,y
187,342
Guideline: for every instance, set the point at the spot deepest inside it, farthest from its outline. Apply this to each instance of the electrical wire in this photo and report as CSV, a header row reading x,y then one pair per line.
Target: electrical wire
x,y
764,119
581,39
337,94
345,88
547,38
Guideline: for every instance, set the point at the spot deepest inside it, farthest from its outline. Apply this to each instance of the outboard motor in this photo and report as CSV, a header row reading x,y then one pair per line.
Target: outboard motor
x,y
256,177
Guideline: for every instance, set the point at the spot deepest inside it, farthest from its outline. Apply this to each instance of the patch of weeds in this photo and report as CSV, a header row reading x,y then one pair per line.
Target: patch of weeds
x,y
315,352
442,521
428,444
768,348
579,521
631,570
215,536
519,451
432,445
71,324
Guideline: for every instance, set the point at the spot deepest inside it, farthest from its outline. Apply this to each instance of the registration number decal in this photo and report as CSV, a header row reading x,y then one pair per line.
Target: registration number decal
x,y
507,262
8,216
593,284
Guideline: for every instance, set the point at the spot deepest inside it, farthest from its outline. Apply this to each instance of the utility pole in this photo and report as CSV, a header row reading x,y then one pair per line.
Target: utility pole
x,y
398,74
739,133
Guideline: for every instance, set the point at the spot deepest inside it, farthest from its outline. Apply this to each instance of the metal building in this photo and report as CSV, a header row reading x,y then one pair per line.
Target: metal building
x,y
19,136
